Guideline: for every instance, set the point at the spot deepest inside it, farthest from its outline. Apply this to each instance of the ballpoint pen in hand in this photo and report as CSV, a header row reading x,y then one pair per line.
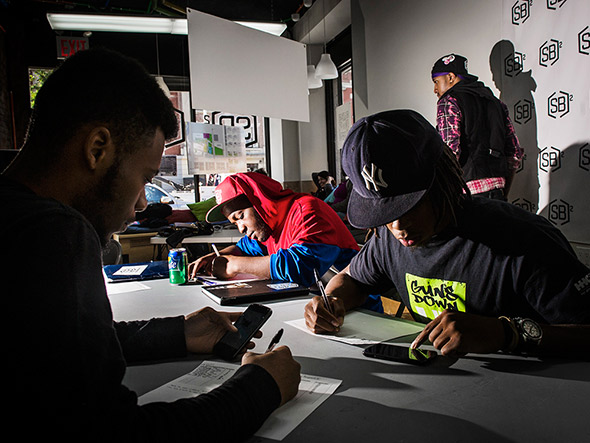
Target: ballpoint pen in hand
x,y
323,291
274,340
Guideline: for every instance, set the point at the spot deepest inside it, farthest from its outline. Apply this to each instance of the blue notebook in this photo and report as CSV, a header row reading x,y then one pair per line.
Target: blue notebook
x,y
136,271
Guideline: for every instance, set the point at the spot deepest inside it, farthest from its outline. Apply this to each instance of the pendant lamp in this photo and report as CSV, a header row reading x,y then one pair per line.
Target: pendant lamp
x,y
326,69
313,82
159,78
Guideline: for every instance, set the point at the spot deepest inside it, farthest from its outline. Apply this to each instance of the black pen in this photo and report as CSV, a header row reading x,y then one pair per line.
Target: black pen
x,y
323,291
274,340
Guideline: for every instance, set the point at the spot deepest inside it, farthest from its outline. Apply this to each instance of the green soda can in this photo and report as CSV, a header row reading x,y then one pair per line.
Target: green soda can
x,y
178,266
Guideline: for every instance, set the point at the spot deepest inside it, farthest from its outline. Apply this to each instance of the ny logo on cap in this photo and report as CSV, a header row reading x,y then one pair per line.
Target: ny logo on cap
x,y
370,178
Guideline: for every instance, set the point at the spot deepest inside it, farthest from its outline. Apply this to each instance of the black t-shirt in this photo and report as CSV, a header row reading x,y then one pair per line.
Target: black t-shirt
x,y
66,357
498,260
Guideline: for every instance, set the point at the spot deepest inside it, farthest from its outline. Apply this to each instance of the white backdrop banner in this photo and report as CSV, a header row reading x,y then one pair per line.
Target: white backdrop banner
x,y
542,69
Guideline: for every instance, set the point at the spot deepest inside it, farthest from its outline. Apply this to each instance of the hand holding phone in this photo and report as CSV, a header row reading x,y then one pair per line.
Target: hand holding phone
x,y
402,354
233,343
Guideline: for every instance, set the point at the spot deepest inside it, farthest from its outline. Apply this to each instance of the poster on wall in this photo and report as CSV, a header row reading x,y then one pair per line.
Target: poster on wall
x,y
215,149
538,67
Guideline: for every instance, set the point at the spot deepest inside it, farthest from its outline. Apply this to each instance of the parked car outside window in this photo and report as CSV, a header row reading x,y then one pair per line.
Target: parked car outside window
x,y
155,194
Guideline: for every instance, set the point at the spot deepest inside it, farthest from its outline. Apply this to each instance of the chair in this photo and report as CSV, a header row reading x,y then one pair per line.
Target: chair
x,y
112,253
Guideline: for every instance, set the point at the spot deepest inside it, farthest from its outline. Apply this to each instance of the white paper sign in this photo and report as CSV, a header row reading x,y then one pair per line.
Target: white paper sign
x,y
131,270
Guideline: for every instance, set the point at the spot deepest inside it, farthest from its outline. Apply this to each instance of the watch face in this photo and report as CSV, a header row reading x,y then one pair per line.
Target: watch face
x,y
532,329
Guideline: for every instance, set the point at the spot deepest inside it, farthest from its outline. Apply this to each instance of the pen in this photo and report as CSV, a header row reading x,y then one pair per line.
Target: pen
x,y
322,291
274,340
215,249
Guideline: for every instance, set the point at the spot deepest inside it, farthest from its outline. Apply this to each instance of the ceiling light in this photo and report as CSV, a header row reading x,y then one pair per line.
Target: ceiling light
x,y
152,25
117,23
163,85
326,69
313,81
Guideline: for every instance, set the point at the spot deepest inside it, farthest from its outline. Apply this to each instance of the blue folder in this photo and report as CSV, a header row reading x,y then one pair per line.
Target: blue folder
x,y
136,271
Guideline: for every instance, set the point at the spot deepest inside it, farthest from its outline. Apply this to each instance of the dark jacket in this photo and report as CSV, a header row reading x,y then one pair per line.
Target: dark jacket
x,y
483,131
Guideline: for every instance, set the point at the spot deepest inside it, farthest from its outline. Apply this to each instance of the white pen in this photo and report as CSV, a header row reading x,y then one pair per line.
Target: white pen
x,y
215,249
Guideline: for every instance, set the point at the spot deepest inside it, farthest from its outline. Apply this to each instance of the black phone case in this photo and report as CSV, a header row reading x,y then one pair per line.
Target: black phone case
x,y
228,352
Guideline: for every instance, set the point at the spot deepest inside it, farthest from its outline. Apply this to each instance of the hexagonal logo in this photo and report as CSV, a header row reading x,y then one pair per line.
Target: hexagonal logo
x,y
525,204
521,11
555,4
549,52
584,157
584,41
523,111
513,64
550,159
559,212
558,104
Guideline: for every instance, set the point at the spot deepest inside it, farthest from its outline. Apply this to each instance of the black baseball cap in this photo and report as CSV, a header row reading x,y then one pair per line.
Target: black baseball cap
x,y
390,158
457,64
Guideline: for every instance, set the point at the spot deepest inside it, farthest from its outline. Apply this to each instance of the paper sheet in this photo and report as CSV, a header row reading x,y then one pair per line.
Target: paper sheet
x,y
122,287
211,280
313,391
363,328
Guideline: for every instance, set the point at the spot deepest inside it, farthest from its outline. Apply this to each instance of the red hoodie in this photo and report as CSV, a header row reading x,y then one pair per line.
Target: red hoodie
x,y
306,232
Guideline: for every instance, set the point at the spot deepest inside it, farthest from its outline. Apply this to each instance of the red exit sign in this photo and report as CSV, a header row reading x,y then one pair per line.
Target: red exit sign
x,y
67,46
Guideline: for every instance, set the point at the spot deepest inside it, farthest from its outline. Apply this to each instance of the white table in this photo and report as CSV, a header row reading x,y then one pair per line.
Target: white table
x,y
221,236
479,398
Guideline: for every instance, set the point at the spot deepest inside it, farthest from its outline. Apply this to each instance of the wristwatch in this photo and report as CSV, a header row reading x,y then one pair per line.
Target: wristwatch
x,y
529,332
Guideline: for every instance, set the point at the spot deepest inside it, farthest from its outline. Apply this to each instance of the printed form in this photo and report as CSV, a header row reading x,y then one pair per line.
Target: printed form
x,y
313,391
366,328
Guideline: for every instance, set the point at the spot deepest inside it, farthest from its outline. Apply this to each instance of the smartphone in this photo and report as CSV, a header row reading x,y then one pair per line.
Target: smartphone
x,y
251,320
403,354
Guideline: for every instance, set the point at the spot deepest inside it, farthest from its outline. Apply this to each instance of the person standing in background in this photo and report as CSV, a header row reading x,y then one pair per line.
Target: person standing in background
x,y
477,128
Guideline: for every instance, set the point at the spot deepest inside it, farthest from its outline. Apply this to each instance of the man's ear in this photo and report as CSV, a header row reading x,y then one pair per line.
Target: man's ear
x,y
99,148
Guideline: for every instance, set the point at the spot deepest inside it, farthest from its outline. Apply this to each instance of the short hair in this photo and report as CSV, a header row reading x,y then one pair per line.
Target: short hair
x,y
99,86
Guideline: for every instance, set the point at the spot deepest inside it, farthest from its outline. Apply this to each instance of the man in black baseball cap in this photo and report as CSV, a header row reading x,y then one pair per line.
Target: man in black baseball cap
x,y
476,126
482,274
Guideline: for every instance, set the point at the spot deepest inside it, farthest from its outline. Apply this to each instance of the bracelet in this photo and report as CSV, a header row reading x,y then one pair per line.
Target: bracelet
x,y
511,334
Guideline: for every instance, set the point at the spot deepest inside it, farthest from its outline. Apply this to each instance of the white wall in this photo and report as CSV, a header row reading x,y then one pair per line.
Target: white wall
x,y
395,44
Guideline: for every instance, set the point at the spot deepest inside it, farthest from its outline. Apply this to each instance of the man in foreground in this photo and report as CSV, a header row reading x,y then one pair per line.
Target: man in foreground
x,y
95,139
484,275
477,128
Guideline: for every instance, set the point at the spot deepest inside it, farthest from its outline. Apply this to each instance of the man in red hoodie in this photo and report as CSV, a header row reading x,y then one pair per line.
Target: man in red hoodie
x,y
286,234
